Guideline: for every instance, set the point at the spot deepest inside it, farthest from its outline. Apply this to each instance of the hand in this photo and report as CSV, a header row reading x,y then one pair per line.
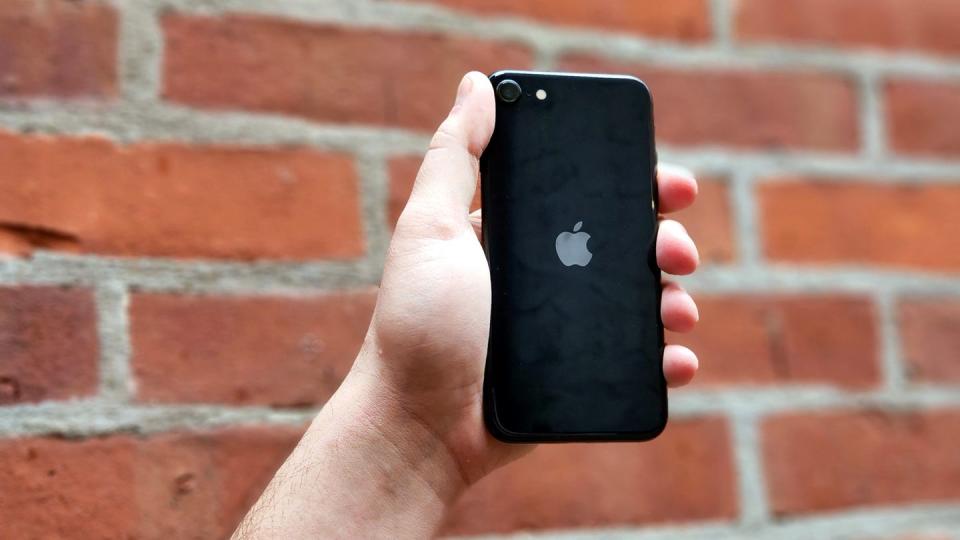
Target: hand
x,y
431,322
404,434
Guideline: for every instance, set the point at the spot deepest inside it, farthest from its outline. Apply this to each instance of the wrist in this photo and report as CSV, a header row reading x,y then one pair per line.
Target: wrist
x,y
369,414
364,466
401,472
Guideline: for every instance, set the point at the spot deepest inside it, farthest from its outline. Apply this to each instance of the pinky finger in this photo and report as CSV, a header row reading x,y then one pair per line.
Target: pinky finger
x,y
679,365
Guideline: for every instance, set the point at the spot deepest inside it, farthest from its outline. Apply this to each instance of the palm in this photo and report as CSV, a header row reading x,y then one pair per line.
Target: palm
x,y
432,322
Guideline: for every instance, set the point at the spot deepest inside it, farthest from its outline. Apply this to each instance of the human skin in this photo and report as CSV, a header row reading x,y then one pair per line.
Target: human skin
x,y
403,436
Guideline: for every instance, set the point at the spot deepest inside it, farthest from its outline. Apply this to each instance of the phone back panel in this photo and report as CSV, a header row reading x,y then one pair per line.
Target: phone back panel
x,y
575,351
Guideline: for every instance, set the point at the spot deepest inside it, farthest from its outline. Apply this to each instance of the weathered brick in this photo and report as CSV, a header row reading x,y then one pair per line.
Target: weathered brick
x,y
744,108
930,335
322,71
243,350
207,480
922,116
859,222
48,344
678,19
170,200
178,485
52,487
831,460
887,24
766,340
686,474
57,48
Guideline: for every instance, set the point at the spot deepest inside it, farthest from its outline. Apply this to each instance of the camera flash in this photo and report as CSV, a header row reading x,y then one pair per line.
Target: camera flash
x,y
541,94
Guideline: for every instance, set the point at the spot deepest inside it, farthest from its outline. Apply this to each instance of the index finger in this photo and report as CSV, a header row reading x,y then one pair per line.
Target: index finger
x,y
676,187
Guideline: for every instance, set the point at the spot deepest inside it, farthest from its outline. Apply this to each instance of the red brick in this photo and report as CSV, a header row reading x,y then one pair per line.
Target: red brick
x,y
831,460
243,350
887,24
922,117
709,221
48,339
765,340
744,108
685,474
191,482
323,72
92,196
930,334
53,488
403,172
858,222
678,19
57,48
180,485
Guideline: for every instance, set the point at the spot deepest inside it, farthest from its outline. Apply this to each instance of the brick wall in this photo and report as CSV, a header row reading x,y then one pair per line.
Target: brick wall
x,y
195,199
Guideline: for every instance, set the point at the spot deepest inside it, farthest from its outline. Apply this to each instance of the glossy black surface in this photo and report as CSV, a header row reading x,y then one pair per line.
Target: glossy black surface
x,y
575,351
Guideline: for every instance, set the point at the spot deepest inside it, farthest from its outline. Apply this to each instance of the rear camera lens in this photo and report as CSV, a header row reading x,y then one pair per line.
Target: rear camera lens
x,y
509,91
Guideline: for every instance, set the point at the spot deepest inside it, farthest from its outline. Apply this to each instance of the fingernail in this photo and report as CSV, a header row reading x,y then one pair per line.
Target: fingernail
x,y
466,85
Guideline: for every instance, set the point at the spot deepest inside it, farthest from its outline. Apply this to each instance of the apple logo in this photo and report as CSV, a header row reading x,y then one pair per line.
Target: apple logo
x,y
572,247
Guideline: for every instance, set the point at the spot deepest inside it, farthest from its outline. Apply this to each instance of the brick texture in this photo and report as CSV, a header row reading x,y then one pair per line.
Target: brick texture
x,y
245,350
685,474
327,73
48,344
923,116
767,340
858,222
887,24
57,48
678,19
268,350
930,337
178,485
91,196
756,109
875,458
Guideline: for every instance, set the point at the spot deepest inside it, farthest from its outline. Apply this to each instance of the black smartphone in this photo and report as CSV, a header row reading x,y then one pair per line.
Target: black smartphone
x,y
569,199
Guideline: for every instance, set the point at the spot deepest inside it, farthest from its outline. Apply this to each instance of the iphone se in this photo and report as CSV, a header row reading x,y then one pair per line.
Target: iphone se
x,y
569,200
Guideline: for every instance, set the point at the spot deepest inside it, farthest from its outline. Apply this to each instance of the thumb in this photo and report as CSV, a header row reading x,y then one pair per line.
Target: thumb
x,y
447,179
